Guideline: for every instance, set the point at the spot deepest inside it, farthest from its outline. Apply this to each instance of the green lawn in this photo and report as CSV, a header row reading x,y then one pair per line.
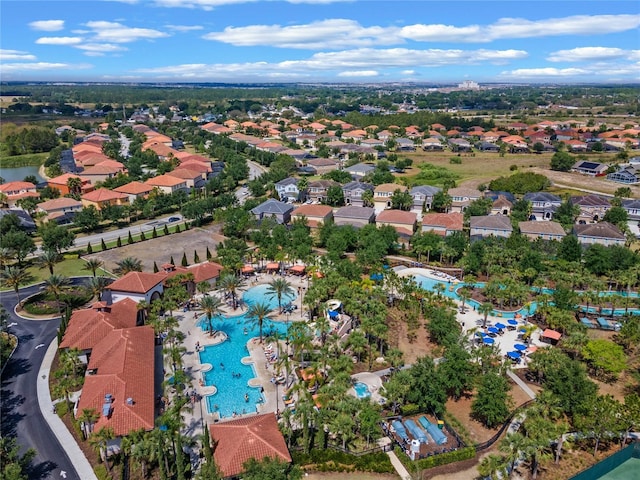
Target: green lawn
x,y
22,160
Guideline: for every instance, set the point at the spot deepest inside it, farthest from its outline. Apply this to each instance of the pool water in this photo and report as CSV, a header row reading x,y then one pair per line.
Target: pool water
x,y
260,293
362,390
228,374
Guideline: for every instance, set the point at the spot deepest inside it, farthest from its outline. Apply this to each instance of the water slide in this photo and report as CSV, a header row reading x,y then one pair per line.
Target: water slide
x,y
416,431
433,430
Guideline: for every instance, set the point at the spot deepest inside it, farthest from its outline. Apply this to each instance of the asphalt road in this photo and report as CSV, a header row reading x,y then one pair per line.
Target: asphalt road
x,y
19,409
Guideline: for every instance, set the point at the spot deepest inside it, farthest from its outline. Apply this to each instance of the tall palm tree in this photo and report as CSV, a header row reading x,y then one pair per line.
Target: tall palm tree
x,y
74,184
257,314
231,284
15,277
279,288
128,264
55,286
97,285
485,309
48,259
99,441
92,265
212,306
88,417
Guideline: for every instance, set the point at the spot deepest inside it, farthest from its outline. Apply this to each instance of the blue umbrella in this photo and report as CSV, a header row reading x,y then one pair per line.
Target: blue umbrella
x,y
480,334
520,347
493,330
333,313
511,321
513,355
488,340
501,326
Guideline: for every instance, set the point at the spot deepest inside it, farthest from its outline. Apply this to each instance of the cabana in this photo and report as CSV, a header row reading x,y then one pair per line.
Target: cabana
x,y
416,431
586,322
297,269
247,270
550,336
400,430
272,267
604,323
434,432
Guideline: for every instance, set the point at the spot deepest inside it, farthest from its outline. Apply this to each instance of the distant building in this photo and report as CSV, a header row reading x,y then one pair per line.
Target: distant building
x,y
468,85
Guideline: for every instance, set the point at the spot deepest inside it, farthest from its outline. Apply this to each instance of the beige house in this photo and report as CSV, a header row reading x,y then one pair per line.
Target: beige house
x,y
490,225
103,197
534,229
403,222
354,216
603,233
314,215
462,197
443,224
168,184
134,190
382,195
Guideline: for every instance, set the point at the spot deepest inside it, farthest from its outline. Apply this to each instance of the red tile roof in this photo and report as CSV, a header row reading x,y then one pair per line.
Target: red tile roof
x,y
552,334
103,195
164,181
448,221
134,188
312,211
396,216
185,174
123,360
205,271
239,440
88,326
62,179
16,186
58,203
137,282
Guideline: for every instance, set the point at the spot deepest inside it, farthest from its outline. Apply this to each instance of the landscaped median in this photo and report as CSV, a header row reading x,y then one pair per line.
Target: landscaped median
x,y
133,238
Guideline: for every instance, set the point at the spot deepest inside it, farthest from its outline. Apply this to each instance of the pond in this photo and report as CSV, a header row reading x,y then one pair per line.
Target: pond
x,y
19,173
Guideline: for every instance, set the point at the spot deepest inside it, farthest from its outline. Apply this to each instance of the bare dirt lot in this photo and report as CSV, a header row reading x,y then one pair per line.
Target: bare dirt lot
x,y
585,182
160,250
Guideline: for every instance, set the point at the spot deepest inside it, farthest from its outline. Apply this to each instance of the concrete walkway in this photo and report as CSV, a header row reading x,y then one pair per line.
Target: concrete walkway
x,y
525,388
397,464
59,429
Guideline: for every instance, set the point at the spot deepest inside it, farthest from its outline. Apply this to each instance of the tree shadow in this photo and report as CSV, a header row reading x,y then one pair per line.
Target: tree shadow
x,y
15,368
10,415
41,470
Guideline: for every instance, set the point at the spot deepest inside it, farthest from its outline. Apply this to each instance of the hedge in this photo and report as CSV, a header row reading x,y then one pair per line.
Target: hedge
x,y
45,304
459,455
329,460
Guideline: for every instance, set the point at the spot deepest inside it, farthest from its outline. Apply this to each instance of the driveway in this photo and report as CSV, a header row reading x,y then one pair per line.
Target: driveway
x,y
20,412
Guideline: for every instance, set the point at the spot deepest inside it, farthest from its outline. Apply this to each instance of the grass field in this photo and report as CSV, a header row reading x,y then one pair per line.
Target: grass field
x,y
22,160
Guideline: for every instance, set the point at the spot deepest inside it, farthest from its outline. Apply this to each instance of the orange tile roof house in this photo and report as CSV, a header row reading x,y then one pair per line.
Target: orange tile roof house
x,y
134,190
314,215
90,325
237,441
104,197
137,286
119,384
322,165
168,184
403,222
193,178
15,191
104,170
443,224
60,183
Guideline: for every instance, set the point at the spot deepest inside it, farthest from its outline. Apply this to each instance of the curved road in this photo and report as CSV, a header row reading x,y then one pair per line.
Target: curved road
x,y
20,412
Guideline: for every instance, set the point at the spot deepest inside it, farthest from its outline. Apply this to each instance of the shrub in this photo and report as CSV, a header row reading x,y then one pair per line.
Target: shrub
x,y
459,455
103,245
142,237
329,460
129,238
165,230
409,409
154,233
455,160
89,249
119,242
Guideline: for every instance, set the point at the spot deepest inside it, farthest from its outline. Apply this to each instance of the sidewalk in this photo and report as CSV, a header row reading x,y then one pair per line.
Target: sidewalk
x,y
59,429
397,464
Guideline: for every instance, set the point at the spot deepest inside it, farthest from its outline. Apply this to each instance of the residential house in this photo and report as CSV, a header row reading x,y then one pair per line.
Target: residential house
x,y
550,230
543,204
462,197
372,142
594,169
459,145
353,192
322,165
423,198
195,180
15,191
279,211
592,207
134,190
250,437
627,174
354,216
485,146
103,197
60,183
443,224
603,233
168,184
359,170
490,225
432,144
25,220
313,215
501,206
137,286
317,190
405,145
118,385
61,210
632,207
103,171
382,195
576,146
403,222
288,188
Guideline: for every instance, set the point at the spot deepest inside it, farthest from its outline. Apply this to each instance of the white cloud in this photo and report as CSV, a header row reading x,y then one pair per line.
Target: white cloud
x,y
118,33
47,25
100,49
334,33
588,54
38,66
15,55
546,72
211,4
184,28
359,73
408,72
59,40
440,33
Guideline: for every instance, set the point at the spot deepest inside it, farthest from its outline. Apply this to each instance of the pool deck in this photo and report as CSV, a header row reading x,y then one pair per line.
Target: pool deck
x,y
263,369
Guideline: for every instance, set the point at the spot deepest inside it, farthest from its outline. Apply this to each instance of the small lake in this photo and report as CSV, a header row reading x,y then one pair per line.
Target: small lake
x,y
18,173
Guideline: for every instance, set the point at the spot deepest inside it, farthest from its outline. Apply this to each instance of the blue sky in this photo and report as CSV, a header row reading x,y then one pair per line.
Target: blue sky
x,y
320,41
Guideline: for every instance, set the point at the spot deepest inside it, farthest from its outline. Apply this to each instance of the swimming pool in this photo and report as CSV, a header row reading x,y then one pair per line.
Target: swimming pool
x,y
362,390
260,293
227,373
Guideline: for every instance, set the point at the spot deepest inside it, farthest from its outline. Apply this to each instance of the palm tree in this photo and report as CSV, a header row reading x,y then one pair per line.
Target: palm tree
x,y
279,288
99,441
485,309
88,417
128,264
92,265
212,306
55,286
257,314
74,184
231,284
48,259
493,466
5,256
97,285
15,277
